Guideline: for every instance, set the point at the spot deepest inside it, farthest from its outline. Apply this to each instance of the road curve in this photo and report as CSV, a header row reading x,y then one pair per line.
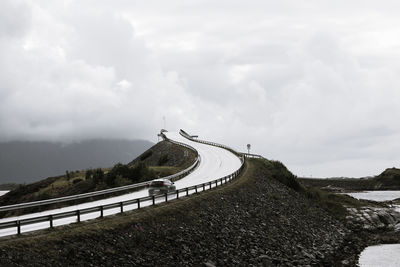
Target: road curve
x,y
215,163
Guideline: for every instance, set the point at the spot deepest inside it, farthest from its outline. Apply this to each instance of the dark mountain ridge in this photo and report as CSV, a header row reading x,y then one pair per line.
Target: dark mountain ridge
x,y
26,162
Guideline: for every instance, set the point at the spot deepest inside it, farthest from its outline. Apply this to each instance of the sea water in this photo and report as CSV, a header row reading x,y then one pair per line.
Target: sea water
x,y
380,255
376,195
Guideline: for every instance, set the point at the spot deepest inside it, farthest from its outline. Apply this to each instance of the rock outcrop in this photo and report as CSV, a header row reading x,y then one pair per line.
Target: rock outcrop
x,y
374,218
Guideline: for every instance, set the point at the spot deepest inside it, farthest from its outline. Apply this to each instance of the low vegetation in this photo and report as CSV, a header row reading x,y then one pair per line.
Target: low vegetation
x,y
166,154
155,162
390,178
279,172
334,203
146,155
8,186
120,175
79,182
162,171
163,159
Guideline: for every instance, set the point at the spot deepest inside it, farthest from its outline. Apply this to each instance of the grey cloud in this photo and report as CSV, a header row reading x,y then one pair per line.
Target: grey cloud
x,y
15,18
295,79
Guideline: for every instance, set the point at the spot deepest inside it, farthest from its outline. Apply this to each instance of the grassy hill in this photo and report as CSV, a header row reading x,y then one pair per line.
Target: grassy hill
x,y
389,179
160,160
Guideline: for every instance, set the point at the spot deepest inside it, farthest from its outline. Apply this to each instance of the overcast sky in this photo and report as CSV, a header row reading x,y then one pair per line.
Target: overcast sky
x,y
314,84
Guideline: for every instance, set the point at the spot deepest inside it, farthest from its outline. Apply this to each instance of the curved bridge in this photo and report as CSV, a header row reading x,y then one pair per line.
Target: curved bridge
x,y
217,165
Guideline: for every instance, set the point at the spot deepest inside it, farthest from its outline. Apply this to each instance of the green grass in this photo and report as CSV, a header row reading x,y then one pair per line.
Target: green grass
x,y
162,171
8,186
77,182
335,204
60,185
279,172
389,178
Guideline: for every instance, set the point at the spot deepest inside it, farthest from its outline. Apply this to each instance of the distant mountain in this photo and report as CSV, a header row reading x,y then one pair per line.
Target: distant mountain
x,y
26,162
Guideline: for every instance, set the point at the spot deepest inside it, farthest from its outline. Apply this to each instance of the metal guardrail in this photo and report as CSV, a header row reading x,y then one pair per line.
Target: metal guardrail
x,y
186,135
173,177
69,198
18,224
254,156
240,154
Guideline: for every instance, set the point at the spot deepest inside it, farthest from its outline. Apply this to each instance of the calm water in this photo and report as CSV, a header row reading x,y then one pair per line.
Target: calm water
x,y
376,195
381,255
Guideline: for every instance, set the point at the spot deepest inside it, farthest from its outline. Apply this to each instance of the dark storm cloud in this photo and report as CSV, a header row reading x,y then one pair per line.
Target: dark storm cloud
x,y
311,83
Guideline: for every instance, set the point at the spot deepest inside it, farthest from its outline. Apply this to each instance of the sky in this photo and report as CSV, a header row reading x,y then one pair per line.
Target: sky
x,y
312,83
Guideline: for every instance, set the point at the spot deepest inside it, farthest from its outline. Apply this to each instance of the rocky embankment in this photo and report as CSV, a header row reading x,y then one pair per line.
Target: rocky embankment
x,y
370,225
371,222
167,154
254,221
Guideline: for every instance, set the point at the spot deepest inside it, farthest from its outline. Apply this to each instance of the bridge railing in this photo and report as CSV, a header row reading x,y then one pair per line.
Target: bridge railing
x,y
186,135
248,155
239,154
18,225
173,177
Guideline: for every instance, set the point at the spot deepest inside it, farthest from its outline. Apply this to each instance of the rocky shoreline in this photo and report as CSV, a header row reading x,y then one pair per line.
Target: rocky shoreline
x,y
371,223
358,240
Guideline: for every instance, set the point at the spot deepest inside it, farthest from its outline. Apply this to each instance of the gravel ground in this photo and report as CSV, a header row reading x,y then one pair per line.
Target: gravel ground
x,y
255,221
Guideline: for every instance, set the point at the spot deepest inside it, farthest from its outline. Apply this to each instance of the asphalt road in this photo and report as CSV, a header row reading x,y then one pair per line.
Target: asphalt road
x,y
215,163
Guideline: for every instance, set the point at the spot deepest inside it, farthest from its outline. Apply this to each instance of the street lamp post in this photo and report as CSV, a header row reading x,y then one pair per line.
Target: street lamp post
x,y
165,122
